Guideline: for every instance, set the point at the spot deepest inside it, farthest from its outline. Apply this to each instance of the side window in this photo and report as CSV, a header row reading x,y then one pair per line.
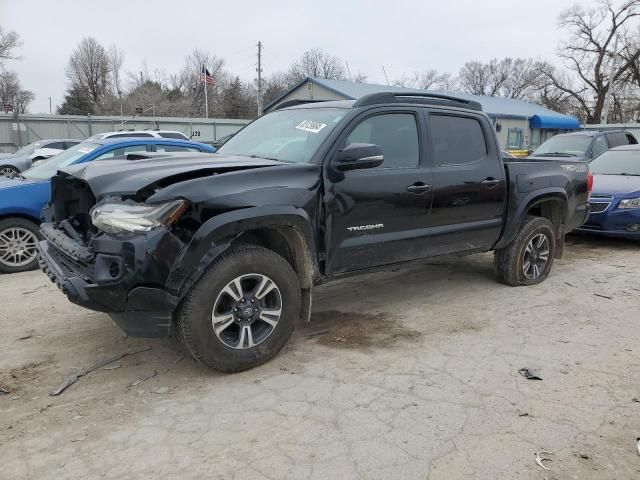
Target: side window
x,y
599,146
70,144
617,139
128,135
631,140
395,133
56,145
173,135
118,152
175,148
457,140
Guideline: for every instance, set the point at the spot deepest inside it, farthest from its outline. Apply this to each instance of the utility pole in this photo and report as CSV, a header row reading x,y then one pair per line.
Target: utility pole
x,y
50,111
259,70
607,97
385,74
348,71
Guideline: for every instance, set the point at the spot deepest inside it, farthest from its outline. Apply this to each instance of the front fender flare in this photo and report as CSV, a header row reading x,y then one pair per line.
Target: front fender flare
x,y
216,235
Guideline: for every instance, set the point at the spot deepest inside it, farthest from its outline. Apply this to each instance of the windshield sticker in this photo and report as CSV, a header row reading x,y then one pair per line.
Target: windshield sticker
x,y
309,126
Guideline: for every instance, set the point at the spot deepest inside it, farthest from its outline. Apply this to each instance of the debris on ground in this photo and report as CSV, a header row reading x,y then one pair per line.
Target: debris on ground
x,y
33,291
25,337
603,296
112,367
161,390
144,378
529,374
178,360
570,284
74,378
584,455
523,414
540,459
4,391
638,445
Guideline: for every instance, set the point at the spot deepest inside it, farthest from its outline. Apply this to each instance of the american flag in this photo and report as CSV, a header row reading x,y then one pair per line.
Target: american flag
x,y
206,77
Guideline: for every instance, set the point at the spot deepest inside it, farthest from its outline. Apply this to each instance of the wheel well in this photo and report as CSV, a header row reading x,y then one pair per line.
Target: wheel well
x,y
551,208
287,242
20,215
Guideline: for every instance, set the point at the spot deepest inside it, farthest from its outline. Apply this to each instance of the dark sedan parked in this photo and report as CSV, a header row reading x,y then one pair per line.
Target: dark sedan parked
x,y
615,199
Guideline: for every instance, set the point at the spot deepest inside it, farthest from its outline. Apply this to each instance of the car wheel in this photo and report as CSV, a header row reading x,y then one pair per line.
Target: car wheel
x,y
18,245
8,171
242,311
528,259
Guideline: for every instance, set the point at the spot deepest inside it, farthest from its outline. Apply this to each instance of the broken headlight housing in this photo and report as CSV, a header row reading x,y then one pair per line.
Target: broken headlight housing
x,y
130,217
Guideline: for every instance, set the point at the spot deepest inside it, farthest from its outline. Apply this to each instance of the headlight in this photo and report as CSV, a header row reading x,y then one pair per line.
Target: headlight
x,y
629,203
132,217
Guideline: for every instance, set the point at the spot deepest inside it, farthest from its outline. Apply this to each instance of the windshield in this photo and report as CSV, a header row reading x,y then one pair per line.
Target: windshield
x,y
617,162
573,146
48,168
29,149
286,135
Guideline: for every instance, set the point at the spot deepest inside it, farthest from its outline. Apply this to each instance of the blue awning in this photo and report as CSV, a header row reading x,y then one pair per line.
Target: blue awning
x,y
554,122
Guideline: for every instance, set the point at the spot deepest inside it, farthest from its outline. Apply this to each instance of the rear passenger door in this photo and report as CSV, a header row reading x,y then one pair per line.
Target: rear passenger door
x,y
469,188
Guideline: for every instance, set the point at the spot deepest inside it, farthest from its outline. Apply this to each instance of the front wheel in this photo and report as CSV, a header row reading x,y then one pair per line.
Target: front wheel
x,y
8,171
18,245
242,311
528,259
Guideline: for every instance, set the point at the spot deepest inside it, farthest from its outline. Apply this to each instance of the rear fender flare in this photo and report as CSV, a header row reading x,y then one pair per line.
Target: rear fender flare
x,y
515,221
217,234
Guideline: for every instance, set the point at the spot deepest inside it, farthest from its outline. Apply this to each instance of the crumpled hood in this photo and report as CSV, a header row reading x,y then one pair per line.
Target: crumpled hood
x,y
618,185
126,177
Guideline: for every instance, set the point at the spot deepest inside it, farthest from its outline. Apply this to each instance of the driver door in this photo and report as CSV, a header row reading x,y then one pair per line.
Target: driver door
x,y
378,216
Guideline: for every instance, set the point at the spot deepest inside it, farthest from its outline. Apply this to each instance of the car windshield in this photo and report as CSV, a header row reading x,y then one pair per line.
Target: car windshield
x,y
29,149
48,168
285,135
617,162
570,145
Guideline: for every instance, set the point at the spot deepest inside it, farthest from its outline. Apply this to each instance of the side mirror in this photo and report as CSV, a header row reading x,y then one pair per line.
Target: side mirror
x,y
359,155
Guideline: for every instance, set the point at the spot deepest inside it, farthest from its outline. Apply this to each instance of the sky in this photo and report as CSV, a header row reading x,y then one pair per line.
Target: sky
x,y
402,35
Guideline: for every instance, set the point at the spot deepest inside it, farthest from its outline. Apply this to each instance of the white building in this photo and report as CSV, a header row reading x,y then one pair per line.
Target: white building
x,y
520,125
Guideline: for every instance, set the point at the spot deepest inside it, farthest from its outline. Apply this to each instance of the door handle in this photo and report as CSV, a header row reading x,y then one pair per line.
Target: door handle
x,y
490,182
419,188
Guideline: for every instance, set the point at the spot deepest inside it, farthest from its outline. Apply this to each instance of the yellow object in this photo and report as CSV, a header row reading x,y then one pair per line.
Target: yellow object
x,y
519,153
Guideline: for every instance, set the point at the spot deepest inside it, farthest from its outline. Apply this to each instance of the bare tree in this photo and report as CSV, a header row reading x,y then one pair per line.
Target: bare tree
x,y
588,52
116,60
9,41
12,93
89,69
428,80
317,63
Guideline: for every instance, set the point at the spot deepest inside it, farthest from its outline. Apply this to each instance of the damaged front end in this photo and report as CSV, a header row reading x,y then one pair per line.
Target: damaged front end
x,y
114,255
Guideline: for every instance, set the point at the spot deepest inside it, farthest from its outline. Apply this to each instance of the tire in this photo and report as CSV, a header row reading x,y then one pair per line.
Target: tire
x,y
210,301
8,171
22,233
511,262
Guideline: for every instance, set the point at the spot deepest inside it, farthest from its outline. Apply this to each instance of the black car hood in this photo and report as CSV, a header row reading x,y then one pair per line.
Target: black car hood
x,y
127,177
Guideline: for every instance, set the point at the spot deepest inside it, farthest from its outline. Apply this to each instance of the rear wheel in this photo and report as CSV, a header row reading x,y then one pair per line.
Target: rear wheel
x,y
8,171
242,311
528,259
18,245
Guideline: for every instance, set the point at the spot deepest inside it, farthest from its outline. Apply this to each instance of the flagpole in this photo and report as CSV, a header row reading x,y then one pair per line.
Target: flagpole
x,y
206,100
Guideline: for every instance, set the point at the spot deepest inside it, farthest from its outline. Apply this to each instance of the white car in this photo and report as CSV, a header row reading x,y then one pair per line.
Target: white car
x,y
141,133
13,163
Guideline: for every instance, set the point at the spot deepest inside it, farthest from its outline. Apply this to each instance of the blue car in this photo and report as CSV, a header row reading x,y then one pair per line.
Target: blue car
x,y
615,198
23,197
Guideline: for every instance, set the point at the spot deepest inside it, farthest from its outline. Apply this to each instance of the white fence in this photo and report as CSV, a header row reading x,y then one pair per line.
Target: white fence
x,y
19,130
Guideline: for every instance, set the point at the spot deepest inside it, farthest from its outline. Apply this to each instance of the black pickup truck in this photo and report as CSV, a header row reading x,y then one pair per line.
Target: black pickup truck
x,y
224,249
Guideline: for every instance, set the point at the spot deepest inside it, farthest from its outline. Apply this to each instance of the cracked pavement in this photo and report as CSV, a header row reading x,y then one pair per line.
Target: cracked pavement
x,y
408,373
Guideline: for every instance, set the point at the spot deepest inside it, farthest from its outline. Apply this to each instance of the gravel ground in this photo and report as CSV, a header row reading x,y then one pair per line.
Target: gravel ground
x,y
408,373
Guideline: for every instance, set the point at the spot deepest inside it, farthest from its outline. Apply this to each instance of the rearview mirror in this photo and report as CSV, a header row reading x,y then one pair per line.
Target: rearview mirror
x,y
358,156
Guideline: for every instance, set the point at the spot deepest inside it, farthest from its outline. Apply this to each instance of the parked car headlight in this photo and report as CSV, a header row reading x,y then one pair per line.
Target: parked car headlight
x,y
629,203
113,217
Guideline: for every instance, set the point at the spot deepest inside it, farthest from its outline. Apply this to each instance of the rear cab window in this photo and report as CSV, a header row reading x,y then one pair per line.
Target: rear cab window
x,y
177,135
